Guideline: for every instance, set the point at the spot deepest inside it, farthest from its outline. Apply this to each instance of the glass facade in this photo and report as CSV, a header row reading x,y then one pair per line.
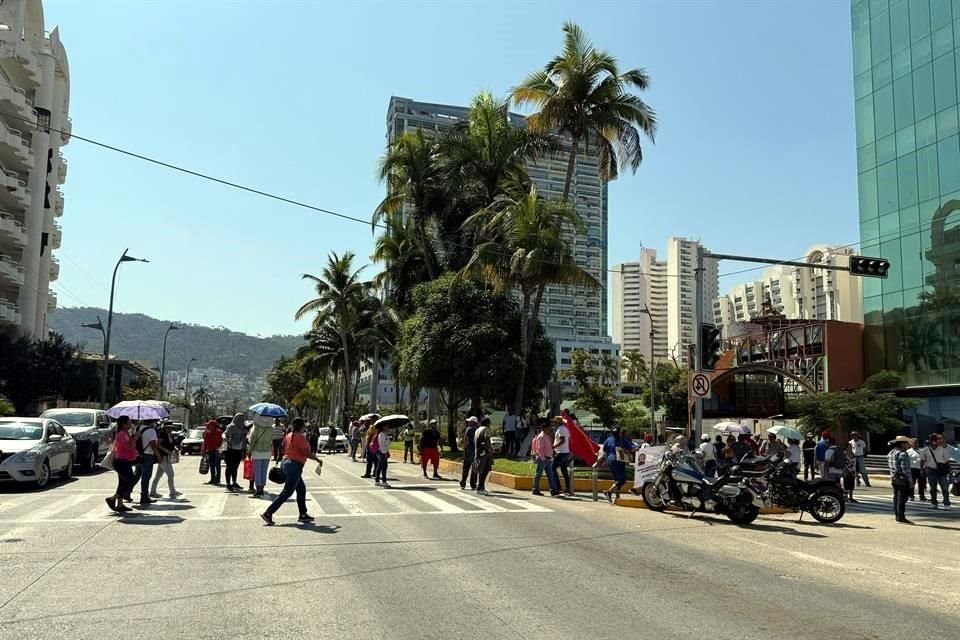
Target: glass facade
x,y
906,58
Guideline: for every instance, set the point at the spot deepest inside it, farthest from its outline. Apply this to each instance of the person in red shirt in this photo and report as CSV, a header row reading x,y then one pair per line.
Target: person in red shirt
x,y
212,439
124,455
296,452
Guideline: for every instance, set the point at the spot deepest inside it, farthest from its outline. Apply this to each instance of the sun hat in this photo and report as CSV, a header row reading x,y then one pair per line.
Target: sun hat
x,y
900,439
558,419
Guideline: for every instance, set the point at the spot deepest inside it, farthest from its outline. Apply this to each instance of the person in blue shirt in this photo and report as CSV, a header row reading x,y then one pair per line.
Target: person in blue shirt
x,y
821,451
617,467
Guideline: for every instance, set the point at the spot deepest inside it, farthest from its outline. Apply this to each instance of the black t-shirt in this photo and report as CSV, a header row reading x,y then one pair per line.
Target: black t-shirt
x,y
469,438
430,438
165,441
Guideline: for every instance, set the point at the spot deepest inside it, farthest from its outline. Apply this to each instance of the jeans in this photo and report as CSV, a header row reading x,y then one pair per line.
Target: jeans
x,y
146,473
546,464
934,480
561,462
277,450
900,495
619,471
710,468
408,448
372,463
862,470
294,472
164,467
510,443
260,466
124,469
213,457
381,473
918,479
469,471
233,458
484,464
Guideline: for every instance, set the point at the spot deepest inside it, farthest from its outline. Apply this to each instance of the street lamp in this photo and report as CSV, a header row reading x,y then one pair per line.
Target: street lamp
x,y
98,326
653,377
163,361
186,395
106,337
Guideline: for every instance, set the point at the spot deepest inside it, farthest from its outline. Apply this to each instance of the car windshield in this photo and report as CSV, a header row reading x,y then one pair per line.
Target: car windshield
x,y
196,434
324,431
21,431
72,418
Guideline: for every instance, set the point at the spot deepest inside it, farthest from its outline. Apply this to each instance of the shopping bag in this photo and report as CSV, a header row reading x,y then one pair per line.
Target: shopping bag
x,y
107,462
204,466
248,469
319,468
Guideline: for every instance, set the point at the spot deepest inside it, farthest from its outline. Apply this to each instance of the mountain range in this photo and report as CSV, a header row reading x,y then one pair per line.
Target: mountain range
x,y
139,337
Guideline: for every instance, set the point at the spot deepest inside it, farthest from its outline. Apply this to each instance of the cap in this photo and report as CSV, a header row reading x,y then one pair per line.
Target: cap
x,y
432,421
705,437
471,419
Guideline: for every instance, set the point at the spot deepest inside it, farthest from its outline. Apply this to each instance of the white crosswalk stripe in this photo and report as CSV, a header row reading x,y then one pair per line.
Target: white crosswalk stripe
x,y
206,505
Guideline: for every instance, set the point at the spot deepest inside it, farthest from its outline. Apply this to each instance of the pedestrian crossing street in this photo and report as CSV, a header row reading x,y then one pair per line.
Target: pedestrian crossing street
x,y
882,504
212,505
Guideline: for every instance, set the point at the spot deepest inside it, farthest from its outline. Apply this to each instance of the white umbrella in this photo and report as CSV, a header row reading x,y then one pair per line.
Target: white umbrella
x,y
731,427
391,422
783,431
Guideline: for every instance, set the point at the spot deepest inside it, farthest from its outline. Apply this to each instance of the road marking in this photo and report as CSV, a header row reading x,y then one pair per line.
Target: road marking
x,y
440,505
62,504
213,508
348,503
818,560
475,501
392,500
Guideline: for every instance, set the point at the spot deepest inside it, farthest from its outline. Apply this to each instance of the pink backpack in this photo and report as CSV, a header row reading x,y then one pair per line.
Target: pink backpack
x,y
375,444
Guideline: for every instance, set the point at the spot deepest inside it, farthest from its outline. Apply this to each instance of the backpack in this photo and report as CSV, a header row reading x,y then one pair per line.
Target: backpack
x,y
839,460
138,443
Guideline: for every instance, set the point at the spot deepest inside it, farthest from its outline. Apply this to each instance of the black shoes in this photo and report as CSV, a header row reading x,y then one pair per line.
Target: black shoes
x,y
305,517
267,518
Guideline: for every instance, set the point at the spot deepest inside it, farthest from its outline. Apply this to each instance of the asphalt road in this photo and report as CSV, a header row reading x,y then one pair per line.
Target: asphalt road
x,y
424,560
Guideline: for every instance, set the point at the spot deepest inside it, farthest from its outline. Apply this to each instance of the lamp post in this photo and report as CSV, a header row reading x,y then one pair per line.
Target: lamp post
x,y
186,395
653,377
163,361
106,337
98,326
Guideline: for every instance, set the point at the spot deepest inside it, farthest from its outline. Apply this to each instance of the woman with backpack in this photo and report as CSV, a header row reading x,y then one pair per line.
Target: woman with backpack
x,y
296,452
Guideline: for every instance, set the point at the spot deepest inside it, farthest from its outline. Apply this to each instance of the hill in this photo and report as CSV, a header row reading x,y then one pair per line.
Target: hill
x,y
140,337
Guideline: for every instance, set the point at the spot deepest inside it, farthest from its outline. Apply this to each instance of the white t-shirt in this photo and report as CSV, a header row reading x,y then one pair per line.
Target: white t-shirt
x,y
915,458
793,453
510,423
709,453
147,436
562,431
859,447
383,440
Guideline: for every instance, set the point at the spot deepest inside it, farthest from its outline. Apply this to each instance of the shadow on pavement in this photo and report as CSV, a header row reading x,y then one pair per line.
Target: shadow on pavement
x,y
169,507
144,518
315,528
937,526
724,522
838,525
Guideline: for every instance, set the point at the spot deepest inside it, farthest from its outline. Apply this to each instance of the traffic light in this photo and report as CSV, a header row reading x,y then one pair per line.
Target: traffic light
x,y
869,267
709,346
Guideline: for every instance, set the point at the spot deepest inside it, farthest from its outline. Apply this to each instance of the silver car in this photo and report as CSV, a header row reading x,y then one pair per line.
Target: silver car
x,y
33,449
91,430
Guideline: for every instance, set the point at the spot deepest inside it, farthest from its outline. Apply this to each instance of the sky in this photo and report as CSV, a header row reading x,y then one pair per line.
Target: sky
x,y
755,152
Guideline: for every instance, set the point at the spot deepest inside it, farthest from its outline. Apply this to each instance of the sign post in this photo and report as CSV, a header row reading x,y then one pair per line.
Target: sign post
x,y
700,385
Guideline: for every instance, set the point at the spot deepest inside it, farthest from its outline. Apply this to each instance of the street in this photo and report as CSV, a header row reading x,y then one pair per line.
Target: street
x,y
425,560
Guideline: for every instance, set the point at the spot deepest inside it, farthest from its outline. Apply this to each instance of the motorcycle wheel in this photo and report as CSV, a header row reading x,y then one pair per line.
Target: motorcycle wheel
x,y
746,515
652,497
827,506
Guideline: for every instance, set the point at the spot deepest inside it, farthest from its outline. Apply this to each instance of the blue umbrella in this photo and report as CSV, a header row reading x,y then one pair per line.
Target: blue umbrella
x,y
269,410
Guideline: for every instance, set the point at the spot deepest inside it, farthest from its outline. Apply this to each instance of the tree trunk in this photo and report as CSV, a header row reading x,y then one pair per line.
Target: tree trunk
x,y
452,404
571,163
425,248
346,372
375,380
524,351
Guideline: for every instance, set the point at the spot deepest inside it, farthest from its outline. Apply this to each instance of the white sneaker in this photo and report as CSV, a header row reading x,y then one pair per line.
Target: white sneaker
x,y
482,492
176,494
385,485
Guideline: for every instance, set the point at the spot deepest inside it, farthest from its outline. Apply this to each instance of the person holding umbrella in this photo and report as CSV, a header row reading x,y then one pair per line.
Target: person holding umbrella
x,y
124,455
296,452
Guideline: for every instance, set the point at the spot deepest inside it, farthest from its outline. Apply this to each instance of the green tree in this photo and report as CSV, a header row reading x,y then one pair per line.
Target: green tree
x,y
285,380
142,388
32,369
671,392
583,368
202,399
583,94
634,367
609,368
6,407
601,400
404,266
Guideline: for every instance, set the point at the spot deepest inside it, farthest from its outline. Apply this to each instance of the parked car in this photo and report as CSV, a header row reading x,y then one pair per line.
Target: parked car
x,y
32,449
192,442
91,430
324,436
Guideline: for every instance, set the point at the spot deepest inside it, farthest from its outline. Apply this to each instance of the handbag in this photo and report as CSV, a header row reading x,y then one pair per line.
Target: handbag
x,y
107,462
174,457
277,475
204,466
900,480
248,469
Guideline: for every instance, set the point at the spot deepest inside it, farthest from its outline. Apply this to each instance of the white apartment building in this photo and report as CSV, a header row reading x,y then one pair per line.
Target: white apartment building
x,y
34,103
667,289
797,292
597,347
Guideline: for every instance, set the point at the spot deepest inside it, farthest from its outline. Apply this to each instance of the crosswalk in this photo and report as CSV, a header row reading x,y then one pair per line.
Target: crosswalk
x,y
867,504
212,505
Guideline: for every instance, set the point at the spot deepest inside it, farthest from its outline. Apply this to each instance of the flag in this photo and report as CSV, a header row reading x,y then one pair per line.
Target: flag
x,y
581,446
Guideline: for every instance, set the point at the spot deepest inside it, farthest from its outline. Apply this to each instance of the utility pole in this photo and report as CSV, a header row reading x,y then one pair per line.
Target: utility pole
x,y
163,361
106,338
697,347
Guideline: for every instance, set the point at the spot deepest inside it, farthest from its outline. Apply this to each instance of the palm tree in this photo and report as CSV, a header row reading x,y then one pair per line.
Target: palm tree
x,y
340,296
609,367
582,94
634,366
523,248
414,176
398,248
202,398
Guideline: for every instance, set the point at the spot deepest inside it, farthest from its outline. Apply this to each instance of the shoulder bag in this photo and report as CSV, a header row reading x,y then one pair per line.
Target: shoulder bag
x,y
899,479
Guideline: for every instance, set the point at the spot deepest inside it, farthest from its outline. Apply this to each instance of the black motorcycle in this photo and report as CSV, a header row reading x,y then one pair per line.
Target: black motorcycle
x,y
776,481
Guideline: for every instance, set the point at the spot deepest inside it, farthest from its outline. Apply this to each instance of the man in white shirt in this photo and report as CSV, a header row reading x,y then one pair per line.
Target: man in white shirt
x,y
561,452
859,447
510,434
709,456
936,462
149,452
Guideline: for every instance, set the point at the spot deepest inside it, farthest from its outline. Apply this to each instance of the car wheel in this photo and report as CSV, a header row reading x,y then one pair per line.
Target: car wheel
x,y
67,472
43,477
91,463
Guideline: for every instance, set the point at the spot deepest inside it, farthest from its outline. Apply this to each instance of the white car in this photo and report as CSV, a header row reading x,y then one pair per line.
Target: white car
x,y
193,443
324,437
33,449
91,430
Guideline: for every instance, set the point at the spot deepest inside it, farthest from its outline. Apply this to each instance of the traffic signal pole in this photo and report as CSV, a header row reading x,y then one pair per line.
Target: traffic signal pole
x,y
697,343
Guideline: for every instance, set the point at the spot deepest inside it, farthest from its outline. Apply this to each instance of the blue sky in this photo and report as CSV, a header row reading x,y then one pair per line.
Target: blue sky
x,y
755,153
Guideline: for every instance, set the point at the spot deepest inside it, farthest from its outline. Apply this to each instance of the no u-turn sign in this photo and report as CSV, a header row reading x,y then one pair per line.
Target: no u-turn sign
x,y
700,385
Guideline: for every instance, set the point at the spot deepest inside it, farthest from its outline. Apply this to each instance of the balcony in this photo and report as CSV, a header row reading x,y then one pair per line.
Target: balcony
x,y
51,301
9,312
24,54
65,130
58,206
54,269
62,170
17,98
14,148
11,271
13,229
56,236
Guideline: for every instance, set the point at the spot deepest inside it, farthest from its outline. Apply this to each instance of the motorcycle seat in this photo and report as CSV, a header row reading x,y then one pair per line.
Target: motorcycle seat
x,y
711,481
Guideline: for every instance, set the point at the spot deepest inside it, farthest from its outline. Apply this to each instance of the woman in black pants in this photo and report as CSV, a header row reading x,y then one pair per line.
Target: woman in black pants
x,y
124,455
235,436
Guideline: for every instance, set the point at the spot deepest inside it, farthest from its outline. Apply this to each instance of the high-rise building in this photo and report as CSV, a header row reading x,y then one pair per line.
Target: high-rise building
x,y
797,293
665,288
567,312
906,58
34,102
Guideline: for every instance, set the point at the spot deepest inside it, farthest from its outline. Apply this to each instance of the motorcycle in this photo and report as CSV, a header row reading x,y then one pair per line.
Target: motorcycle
x,y
775,481
680,483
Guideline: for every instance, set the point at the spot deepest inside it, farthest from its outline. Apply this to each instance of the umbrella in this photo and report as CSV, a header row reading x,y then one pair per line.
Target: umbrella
x,y
731,427
392,422
269,410
139,410
370,417
783,431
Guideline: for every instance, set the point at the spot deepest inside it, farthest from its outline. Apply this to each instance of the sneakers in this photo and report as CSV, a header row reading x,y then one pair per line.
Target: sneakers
x,y
609,496
536,493
154,494
267,518
305,517
366,475
436,476
176,494
425,476
112,503
463,486
385,485
482,492
122,509
377,483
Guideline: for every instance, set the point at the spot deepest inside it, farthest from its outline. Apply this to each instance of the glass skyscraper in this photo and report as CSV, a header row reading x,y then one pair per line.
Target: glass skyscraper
x,y
906,59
